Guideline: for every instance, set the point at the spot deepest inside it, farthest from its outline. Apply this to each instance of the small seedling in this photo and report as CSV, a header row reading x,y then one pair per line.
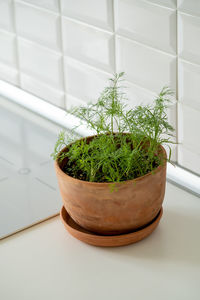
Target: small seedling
x,y
126,145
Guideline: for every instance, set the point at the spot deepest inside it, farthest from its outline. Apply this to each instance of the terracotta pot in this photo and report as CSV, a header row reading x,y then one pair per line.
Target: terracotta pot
x,y
130,206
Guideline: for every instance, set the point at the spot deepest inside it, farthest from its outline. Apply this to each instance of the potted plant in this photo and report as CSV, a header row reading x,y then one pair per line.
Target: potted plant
x,y
113,183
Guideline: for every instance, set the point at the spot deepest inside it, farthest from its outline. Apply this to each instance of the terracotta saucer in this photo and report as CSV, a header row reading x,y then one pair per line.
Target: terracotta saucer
x,y
110,240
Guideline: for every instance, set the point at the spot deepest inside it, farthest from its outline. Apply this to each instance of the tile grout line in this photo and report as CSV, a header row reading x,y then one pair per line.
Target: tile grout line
x,y
121,35
114,34
190,14
161,5
16,41
62,52
177,84
87,24
38,7
39,45
143,44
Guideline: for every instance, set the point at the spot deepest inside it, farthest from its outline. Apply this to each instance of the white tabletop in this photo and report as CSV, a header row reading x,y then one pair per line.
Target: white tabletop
x,y
45,262
28,185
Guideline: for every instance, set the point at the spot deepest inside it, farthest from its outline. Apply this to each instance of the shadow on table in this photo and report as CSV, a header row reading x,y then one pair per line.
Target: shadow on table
x,y
177,238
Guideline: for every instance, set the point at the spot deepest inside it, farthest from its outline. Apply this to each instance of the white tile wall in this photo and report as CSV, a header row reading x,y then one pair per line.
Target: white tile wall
x,y
189,37
73,102
8,55
65,50
188,159
9,74
145,66
6,16
88,44
95,12
83,81
189,84
7,49
189,147
189,124
48,4
42,90
41,63
191,7
38,25
146,23
136,95
167,3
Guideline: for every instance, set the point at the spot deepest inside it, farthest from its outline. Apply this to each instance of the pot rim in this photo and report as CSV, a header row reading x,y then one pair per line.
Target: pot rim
x,y
63,174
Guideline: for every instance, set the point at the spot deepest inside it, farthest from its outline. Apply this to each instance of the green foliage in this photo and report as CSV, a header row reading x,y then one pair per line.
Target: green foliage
x,y
127,140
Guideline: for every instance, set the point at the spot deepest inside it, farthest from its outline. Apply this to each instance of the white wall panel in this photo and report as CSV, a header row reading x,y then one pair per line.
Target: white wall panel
x,y
189,6
88,44
48,4
7,48
38,25
189,126
72,102
189,159
189,84
41,63
8,57
145,66
137,95
95,12
42,90
6,16
146,23
83,81
189,37
165,3
9,74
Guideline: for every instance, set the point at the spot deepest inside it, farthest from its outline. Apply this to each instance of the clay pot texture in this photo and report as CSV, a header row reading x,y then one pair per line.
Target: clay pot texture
x,y
132,205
